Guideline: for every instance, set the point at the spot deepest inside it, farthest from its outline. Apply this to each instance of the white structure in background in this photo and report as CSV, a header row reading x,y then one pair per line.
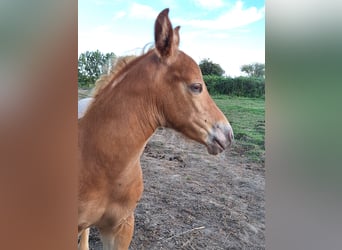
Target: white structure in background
x,y
83,105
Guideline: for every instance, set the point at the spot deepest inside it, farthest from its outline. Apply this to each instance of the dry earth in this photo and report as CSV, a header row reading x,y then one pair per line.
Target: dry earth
x,y
193,200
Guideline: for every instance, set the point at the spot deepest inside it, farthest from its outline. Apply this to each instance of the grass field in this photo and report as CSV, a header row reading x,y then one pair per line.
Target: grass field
x,y
247,117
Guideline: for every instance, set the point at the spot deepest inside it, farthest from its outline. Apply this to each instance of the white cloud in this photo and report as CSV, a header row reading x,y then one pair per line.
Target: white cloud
x,y
230,59
201,39
100,2
141,11
105,39
236,17
209,4
119,14
230,51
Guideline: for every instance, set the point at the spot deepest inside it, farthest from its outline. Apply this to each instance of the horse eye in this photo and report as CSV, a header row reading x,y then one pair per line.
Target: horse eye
x,y
196,88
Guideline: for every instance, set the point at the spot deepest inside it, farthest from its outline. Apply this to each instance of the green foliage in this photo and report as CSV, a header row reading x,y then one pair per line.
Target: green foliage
x,y
254,70
91,65
239,86
209,68
247,117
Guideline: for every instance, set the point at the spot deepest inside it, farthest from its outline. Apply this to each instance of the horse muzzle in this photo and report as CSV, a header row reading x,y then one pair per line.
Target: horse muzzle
x,y
220,137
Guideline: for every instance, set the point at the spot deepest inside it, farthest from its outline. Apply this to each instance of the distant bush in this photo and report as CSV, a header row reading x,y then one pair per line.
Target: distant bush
x,y
238,86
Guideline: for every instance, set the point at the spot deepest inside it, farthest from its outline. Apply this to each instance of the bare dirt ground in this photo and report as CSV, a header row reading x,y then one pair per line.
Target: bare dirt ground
x,y
193,200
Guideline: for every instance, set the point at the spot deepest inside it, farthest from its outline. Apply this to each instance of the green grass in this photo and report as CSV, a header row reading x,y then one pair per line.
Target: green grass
x,y
247,117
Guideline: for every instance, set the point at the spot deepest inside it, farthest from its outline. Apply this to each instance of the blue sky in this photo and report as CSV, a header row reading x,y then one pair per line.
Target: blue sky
x,y
230,33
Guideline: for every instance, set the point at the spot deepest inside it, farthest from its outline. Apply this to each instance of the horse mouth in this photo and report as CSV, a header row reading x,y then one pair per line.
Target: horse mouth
x,y
216,146
219,139
219,144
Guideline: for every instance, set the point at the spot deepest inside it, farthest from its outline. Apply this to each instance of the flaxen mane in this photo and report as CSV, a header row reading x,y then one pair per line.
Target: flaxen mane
x,y
119,64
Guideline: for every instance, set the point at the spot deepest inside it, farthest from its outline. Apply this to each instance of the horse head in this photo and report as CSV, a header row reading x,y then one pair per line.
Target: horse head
x,y
184,101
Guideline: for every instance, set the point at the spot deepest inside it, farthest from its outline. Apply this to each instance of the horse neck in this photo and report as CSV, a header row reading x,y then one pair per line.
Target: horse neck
x,y
118,125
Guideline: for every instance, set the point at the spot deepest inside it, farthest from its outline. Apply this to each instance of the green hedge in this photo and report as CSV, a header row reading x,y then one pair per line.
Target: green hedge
x,y
238,86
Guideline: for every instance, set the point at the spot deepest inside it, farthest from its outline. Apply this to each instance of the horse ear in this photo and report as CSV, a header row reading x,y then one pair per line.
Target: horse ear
x,y
164,36
176,36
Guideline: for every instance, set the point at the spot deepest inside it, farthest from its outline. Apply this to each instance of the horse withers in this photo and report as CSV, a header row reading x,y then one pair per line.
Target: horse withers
x,y
164,87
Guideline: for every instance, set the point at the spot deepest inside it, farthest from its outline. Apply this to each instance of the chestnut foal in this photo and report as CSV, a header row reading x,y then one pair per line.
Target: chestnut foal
x,y
163,87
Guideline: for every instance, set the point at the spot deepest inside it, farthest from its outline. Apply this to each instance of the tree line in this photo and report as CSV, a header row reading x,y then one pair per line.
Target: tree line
x,y
93,64
252,85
